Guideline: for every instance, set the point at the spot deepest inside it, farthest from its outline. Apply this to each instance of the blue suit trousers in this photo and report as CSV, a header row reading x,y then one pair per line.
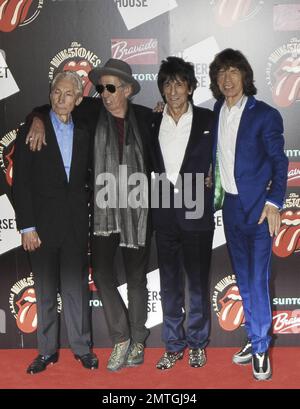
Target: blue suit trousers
x,y
250,248
188,251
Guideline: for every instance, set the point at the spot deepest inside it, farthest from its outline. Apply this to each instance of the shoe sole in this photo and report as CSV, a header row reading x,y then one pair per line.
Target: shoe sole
x,y
197,366
34,373
87,367
263,377
133,364
166,369
242,361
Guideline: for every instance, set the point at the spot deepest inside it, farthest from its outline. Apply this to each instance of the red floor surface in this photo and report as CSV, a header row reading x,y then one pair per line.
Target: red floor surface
x,y
219,372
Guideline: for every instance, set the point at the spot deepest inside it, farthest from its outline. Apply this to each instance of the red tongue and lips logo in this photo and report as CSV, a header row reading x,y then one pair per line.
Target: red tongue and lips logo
x,y
92,285
286,90
231,313
9,168
230,11
27,315
82,68
288,238
13,13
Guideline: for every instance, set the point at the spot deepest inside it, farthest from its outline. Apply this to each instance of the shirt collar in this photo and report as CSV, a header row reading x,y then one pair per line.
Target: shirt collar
x,y
188,112
239,105
58,123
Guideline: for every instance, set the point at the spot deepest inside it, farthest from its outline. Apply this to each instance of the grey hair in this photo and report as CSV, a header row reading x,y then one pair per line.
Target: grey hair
x,y
72,75
127,84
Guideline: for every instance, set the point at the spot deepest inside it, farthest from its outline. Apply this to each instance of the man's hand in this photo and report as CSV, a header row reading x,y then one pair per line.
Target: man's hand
x,y
36,135
159,107
30,241
273,217
208,180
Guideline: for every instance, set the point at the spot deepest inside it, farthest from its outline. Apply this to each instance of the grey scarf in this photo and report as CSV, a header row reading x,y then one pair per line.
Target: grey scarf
x,y
118,207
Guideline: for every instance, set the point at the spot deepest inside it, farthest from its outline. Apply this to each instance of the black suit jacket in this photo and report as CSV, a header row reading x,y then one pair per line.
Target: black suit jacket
x,y
43,196
87,113
197,159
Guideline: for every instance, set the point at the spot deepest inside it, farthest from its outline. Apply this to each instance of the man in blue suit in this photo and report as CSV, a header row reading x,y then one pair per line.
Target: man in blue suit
x,y
248,143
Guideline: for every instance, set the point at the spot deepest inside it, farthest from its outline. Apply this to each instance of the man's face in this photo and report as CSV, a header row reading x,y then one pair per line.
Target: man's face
x,y
230,82
176,93
115,102
63,97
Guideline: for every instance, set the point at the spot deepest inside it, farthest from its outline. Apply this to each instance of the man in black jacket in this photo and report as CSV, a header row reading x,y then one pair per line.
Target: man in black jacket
x,y
181,153
51,205
120,130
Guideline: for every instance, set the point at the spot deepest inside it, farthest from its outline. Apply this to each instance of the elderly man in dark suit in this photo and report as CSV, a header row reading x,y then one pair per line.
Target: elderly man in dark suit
x,y
51,203
121,130
181,152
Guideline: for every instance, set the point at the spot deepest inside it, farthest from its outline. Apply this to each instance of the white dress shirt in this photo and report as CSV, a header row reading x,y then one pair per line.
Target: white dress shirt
x,y
173,139
229,122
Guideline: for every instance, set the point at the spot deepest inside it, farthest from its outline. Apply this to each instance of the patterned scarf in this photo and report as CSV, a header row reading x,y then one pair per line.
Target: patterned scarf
x,y
120,207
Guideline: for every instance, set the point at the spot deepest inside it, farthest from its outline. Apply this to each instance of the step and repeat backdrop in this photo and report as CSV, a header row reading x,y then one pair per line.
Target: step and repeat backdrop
x,y
40,37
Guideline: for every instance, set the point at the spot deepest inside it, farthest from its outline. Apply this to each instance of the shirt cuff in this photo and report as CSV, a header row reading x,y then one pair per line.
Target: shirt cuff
x,y
27,230
272,204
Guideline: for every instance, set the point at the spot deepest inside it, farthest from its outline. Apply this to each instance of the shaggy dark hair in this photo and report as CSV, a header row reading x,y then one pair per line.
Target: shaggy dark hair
x,y
231,58
173,68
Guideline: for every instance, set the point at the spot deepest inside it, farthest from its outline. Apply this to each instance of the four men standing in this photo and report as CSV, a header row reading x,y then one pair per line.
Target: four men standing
x,y
248,135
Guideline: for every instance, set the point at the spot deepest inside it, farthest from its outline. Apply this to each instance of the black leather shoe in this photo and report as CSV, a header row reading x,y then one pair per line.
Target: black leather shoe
x,y
89,361
41,362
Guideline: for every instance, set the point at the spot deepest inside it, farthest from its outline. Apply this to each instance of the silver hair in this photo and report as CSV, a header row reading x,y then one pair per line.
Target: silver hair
x,y
72,75
128,84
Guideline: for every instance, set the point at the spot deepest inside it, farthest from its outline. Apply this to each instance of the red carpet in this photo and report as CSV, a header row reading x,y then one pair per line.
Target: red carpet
x,y
218,373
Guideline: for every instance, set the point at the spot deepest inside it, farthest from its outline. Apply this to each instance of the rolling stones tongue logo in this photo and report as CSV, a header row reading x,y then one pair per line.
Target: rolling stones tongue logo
x,y
22,303
286,89
231,314
27,316
13,13
82,68
92,285
288,239
6,154
228,12
9,169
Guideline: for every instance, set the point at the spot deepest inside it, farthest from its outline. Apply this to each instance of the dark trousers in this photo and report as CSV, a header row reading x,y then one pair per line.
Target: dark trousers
x,y
122,323
191,250
250,247
63,268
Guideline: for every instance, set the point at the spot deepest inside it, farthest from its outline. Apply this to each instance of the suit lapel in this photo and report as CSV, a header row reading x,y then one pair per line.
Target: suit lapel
x,y
54,147
244,127
217,109
193,139
158,157
75,159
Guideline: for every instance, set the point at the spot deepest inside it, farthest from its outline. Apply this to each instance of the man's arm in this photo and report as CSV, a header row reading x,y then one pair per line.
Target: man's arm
x,y
36,137
87,112
274,144
22,192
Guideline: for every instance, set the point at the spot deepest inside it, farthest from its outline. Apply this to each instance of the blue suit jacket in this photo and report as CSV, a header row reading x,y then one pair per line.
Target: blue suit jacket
x,y
259,157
